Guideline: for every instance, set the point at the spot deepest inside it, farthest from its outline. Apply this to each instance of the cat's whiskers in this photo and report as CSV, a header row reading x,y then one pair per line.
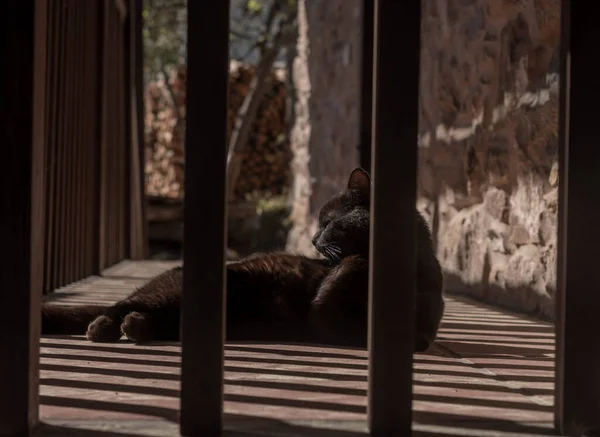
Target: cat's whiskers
x,y
333,252
335,249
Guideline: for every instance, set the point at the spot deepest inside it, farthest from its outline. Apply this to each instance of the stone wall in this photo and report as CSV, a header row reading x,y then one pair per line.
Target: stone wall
x,y
488,137
488,146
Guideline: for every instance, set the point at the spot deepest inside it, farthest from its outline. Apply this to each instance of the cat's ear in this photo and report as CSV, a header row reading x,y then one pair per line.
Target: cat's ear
x,y
359,180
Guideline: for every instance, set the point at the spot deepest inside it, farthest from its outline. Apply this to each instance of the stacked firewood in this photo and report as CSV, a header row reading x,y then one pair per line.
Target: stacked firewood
x,y
266,163
164,135
265,167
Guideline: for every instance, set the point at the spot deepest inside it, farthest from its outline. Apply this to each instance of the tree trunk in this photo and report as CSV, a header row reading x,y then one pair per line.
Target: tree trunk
x,y
247,114
325,135
303,226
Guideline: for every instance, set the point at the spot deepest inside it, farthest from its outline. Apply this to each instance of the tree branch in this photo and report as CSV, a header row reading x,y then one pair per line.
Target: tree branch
x,y
247,113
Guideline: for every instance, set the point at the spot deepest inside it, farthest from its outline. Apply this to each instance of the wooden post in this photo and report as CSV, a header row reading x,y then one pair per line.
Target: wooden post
x,y
577,405
392,297
203,307
22,107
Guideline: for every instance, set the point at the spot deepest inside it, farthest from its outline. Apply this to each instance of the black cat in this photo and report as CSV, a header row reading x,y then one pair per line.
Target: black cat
x,y
277,296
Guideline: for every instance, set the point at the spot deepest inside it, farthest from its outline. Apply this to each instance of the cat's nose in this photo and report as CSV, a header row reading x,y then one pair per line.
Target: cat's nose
x,y
314,240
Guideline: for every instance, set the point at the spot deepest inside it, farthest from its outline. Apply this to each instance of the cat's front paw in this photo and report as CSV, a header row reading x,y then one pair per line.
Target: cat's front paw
x,y
422,343
137,327
103,329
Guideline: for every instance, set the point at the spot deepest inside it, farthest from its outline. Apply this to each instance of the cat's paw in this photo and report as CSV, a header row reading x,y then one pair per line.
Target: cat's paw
x,y
103,329
422,343
137,327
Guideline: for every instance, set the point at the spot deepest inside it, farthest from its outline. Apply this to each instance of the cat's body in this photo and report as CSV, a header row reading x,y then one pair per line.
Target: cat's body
x,y
277,296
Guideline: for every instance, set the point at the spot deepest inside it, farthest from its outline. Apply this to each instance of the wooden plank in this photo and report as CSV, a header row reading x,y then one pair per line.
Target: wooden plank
x,y
203,317
366,85
578,301
393,222
22,108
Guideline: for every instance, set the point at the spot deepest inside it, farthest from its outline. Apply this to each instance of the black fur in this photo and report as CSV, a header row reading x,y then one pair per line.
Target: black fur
x,y
277,296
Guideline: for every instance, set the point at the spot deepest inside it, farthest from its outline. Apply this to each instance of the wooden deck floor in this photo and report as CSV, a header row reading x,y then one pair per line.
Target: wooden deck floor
x,y
491,373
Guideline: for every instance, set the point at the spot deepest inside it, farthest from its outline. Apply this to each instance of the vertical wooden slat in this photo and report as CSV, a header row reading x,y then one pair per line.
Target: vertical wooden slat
x,y
85,128
88,138
138,228
67,118
366,88
117,137
70,117
113,134
59,150
203,315
578,301
393,221
113,142
119,149
111,165
120,143
80,125
123,140
53,92
64,144
128,199
22,107
110,134
96,143
80,145
73,119
103,150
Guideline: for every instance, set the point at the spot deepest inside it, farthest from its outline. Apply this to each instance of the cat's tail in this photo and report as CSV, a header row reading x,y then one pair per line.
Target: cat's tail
x,y
69,320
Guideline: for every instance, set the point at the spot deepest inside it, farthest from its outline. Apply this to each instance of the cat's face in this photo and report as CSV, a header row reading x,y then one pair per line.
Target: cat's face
x,y
344,220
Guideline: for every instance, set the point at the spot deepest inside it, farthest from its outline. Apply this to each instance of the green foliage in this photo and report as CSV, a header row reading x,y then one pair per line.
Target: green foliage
x,y
164,33
253,6
258,23
254,27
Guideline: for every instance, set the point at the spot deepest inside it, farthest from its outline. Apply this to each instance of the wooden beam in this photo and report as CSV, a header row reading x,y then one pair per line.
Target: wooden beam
x,y
392,290
203,307
22,109
577,405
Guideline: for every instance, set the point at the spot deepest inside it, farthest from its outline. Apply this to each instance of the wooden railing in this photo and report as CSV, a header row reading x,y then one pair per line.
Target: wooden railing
x,y
394,105
71,184
92,190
